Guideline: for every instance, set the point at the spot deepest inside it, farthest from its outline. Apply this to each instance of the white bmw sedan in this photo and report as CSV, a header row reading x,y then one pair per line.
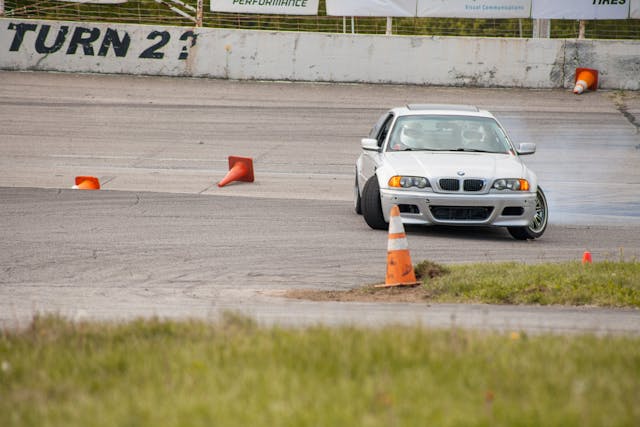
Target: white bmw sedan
x,y
449,165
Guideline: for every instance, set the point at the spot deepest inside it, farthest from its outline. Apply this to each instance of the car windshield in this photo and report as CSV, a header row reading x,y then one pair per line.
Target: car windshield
x,y
447,133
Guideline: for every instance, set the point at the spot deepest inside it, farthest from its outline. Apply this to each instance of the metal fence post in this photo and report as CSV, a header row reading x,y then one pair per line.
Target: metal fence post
x,y
199,13
520,27
541,28
389,26
583,29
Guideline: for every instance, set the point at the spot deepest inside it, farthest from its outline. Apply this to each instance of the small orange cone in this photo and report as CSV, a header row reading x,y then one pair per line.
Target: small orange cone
x,y
399,267
586,257
240,169
86,183
586,78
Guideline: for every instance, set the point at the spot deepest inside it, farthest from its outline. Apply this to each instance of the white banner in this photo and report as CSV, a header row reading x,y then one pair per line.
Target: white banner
x,y
276,7
537,9
474,8
580,9
635,9
399,8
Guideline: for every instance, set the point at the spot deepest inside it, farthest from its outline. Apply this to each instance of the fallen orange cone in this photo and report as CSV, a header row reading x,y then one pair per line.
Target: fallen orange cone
x,y
399,267
586,257
86,183
240,169
586,78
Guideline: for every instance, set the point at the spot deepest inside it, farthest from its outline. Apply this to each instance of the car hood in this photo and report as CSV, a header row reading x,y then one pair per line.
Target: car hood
x,y
447,164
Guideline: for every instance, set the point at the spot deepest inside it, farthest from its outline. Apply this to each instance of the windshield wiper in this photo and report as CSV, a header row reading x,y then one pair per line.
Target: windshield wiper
x,y
472,150
419,149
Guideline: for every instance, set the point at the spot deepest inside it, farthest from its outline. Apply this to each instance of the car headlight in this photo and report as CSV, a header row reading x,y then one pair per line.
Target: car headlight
x,y
409,181
511,184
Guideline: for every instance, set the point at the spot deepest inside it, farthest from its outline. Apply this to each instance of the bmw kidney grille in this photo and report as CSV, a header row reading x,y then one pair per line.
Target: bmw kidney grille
x,y
453,184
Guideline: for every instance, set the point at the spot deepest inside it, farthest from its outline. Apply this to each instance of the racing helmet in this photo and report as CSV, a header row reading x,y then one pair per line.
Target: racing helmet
x,y
411,134
472,136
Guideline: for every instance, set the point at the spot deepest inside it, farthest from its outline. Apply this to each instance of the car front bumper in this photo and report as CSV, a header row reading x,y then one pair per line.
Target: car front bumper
x,y
496,209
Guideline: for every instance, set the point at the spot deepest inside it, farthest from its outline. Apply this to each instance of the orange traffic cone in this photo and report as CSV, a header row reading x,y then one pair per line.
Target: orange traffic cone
x,y
586,78
240,169
86,183
399,267
586,257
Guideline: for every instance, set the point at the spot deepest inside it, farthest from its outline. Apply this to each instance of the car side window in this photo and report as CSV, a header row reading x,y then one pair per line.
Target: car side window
x,y
384,130
375,130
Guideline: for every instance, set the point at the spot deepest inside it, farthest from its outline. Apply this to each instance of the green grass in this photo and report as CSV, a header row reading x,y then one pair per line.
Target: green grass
x,y
607,284
234,373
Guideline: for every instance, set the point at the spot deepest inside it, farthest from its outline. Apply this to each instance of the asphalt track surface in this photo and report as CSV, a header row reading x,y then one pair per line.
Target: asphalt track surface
x,y
161,239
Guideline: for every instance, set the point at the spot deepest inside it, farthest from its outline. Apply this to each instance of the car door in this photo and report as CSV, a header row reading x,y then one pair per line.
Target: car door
x,y
371,158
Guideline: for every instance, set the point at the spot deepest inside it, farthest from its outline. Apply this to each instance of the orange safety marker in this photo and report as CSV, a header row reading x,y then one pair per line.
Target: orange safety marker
x,y
240,169
586,257
86,183
586,78
399,267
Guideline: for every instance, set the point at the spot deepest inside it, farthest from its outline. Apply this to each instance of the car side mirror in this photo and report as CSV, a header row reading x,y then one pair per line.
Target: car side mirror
x,y
370,144
525,148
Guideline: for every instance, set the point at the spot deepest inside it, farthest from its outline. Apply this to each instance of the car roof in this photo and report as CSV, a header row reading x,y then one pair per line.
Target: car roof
x,y
441,109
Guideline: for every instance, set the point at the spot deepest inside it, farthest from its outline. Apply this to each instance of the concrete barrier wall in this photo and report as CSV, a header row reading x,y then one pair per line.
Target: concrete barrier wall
x,y
241,54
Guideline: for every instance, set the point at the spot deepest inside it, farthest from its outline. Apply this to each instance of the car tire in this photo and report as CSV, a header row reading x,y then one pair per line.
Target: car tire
x,y
357,200
372,206
539,222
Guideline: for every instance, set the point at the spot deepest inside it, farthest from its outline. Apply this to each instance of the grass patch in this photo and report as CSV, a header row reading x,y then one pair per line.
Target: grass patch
x,y
234,373
602,284
606,284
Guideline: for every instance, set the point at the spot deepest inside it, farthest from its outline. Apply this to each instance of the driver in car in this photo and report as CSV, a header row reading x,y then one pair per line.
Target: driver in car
x,y
481,139
411,137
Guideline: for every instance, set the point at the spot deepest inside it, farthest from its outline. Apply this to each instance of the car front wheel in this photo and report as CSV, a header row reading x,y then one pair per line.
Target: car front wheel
x,y
538,224
372,206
